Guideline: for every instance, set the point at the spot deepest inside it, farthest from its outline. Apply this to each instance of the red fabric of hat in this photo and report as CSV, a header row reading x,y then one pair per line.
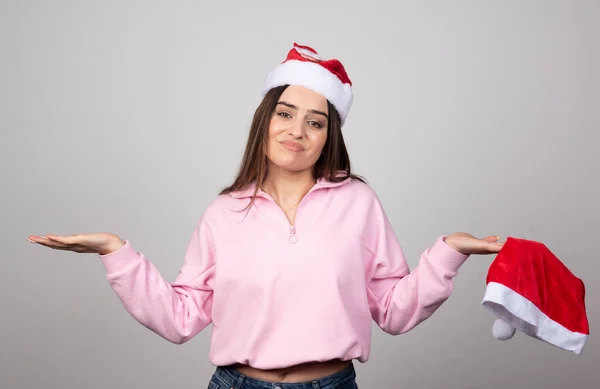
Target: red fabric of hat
x,y
530,289
303,66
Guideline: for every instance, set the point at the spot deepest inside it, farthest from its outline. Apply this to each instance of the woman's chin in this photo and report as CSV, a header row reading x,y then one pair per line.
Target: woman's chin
x,y
291,166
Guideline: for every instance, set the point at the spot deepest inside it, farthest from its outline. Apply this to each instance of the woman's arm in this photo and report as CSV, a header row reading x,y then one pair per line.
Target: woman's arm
x,y
176,311
398,298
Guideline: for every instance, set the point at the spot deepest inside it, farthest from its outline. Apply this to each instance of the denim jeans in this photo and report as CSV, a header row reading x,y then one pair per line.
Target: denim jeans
x,y
229,378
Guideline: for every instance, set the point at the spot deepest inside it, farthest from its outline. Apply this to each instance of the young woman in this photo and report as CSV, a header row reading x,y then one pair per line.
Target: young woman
x,y
292,262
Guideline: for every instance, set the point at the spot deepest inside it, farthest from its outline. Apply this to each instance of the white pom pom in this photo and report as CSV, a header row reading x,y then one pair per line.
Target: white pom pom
x,y
502,330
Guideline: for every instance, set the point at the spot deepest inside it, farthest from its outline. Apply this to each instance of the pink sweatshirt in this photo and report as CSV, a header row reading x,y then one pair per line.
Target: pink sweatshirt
x,y
280,294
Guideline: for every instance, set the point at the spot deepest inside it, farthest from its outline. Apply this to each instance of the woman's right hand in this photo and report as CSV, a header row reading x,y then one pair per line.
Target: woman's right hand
x,y
100,243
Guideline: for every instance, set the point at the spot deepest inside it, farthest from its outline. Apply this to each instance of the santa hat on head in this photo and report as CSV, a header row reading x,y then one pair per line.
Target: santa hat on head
x,y
530,289
304,67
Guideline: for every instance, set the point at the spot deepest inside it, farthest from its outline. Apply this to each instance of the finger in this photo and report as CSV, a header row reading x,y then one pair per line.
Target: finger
x,y
35,238
488,246
39,239
53,245
495,247
71,239
493,238
47,240
66,247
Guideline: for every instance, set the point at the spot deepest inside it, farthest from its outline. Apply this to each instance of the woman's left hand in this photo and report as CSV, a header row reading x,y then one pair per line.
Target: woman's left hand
x,y
468,244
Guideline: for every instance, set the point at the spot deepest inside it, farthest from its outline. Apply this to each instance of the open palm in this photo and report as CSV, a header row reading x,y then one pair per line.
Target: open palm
x,y
99,242
468,244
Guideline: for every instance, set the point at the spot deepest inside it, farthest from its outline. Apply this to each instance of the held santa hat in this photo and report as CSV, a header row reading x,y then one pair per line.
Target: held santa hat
x,y
530,289
304,67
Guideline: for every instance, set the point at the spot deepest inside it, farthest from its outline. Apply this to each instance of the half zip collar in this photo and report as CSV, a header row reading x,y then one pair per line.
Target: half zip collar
x,y
292,227
321,184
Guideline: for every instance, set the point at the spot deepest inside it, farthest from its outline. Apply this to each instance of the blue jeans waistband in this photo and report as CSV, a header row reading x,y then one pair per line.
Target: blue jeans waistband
x,y
229,377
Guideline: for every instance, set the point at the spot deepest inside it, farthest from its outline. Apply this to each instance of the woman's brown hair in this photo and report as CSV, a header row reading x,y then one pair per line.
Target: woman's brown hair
x,y
332,165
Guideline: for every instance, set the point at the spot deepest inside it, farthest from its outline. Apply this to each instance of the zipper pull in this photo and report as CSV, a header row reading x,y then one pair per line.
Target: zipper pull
x,y
293,238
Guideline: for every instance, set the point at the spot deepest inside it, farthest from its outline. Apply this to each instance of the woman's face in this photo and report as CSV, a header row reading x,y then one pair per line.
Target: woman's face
x,y
298,129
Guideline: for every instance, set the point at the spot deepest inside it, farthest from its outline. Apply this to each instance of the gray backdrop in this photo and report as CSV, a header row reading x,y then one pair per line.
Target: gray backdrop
x,y
129,116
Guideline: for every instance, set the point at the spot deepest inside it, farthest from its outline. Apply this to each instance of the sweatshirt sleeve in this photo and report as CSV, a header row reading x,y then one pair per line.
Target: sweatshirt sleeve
x,y
400,299
176,311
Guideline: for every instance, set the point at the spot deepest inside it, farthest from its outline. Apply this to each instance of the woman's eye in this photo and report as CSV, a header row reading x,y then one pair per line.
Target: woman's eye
x,y
284,114
316,124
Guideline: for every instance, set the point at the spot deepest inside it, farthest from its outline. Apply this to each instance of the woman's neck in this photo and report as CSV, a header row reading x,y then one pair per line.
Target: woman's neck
x,y
287,188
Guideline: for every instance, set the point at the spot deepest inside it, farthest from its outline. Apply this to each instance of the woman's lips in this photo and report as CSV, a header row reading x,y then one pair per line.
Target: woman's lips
x,y
292,146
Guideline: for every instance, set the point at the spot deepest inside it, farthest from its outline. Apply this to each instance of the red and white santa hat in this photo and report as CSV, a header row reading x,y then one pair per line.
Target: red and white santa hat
x,y
304,67
530,289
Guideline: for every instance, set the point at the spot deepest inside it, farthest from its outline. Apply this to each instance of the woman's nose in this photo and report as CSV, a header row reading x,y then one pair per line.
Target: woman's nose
x,y
296,128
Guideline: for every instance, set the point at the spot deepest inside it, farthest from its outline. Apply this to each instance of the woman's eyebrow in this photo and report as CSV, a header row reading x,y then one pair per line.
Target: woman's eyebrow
x,y
292,106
